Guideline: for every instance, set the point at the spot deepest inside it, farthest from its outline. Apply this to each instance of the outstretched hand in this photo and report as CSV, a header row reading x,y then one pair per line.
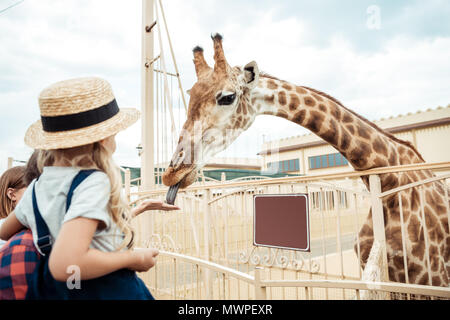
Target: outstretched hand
x,y
152,205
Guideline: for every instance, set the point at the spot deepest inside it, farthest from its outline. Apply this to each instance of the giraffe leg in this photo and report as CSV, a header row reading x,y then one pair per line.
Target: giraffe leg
x,y
365,240
446,260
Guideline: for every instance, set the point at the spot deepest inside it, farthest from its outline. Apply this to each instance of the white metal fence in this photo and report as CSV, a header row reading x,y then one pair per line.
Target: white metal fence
x,y
207,250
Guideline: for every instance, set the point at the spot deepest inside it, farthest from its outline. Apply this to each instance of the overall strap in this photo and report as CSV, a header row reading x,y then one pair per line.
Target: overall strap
x,y
79,178
44,241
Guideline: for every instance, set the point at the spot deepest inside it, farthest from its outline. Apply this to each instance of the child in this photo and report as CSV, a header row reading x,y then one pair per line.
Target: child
x,y
88,223
18,256
12,187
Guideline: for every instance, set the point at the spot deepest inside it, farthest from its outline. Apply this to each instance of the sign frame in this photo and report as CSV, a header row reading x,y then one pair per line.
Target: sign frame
x,y
308,235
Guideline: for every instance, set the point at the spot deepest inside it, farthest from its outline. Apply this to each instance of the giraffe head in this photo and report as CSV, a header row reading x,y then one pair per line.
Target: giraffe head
x,y
219,110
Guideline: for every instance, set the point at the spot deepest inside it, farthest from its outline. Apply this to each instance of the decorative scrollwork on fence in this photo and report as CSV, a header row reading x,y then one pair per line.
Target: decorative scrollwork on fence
x,y
165,243
278,258
300,264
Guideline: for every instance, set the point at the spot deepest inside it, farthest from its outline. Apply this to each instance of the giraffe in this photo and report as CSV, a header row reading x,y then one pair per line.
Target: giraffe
x,y
225,101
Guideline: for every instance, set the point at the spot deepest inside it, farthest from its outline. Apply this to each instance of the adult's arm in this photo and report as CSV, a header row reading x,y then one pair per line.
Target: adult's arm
x,y
152,205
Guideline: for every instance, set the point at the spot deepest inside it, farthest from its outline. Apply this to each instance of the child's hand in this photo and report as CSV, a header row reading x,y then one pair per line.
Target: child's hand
x,y
143,259
152,205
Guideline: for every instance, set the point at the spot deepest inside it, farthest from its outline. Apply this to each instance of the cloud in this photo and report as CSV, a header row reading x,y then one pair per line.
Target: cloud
x,y
400,68
407,73
47,41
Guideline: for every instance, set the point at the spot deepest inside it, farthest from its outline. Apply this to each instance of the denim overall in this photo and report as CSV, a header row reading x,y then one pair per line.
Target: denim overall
x,y
119,285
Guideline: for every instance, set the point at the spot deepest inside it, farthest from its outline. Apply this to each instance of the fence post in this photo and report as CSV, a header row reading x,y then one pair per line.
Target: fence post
x,y
207,240
338,236
378,223
127,184
10,162
202,174
260,290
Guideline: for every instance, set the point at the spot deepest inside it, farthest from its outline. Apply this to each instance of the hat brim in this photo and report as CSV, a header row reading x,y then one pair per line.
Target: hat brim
x,y
37,138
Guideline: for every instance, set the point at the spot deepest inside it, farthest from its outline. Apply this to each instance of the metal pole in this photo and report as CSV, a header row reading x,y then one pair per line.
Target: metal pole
x,y
338,236
207,241
378,222
127,184
10,162
260,290
173,57
147,103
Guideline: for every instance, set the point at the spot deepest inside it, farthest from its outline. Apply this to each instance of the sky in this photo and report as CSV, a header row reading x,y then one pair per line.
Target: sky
x,y
379,58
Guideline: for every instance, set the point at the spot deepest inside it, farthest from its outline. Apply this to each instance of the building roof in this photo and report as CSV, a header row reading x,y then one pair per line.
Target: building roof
x,y
216,174
418,120
228,163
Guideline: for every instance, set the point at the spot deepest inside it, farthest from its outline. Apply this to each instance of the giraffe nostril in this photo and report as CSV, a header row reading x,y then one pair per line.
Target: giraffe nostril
x,y
177,159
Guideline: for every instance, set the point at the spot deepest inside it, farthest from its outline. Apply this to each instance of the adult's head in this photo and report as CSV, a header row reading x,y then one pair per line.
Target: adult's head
x,y
12,187
31,168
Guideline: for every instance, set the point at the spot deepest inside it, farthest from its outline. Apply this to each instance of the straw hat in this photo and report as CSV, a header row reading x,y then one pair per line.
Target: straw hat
x,y
76,112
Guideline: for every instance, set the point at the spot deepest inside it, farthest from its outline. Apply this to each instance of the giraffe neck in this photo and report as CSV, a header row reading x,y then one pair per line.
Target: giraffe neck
x,y
366,146
363,144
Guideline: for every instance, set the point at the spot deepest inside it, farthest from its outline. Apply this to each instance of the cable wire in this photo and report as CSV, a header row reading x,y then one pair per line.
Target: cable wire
x,y
11,6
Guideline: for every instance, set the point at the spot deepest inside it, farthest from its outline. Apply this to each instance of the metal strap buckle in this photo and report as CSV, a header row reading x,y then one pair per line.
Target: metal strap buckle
x,y
44,241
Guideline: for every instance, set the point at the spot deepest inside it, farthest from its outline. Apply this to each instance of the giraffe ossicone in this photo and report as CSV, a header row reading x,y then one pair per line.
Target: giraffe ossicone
x,y
225,101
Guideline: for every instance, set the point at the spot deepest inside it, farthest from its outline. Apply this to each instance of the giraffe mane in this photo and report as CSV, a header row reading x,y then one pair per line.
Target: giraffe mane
x,y
266,75
373,125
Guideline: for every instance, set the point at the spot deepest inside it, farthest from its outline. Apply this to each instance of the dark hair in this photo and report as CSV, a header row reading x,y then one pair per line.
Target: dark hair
x,y
11,178
31,169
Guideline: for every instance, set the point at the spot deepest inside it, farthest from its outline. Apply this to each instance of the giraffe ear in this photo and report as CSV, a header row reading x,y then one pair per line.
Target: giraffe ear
x,y
251,74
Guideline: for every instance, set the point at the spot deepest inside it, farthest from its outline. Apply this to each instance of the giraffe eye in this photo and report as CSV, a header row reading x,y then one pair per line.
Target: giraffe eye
x,y
226,100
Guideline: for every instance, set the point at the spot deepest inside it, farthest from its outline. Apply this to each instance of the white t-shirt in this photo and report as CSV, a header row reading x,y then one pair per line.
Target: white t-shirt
x,y
90,200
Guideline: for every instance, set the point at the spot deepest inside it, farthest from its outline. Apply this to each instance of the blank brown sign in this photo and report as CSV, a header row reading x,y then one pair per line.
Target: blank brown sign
x,y
281,221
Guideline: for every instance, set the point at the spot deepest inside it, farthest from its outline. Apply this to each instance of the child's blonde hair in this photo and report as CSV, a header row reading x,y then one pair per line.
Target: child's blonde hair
x,y
96,156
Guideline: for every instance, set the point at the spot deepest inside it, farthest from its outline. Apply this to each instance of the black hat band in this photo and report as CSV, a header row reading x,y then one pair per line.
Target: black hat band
x,y
80,120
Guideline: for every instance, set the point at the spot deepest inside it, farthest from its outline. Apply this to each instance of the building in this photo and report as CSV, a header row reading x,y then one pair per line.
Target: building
x,y
429,132
221,169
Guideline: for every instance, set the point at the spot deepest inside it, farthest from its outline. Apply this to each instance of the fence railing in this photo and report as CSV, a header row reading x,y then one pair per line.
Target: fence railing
x,y
297,179
226,283
215,226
